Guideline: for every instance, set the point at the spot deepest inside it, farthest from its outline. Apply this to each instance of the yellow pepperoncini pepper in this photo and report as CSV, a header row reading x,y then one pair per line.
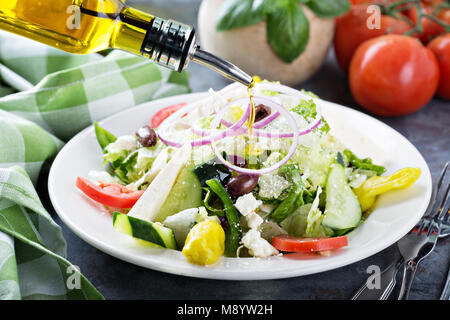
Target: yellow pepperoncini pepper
x,y
375,186
205,243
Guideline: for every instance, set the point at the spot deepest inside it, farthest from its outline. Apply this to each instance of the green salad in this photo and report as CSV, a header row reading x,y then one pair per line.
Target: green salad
x,y
198,180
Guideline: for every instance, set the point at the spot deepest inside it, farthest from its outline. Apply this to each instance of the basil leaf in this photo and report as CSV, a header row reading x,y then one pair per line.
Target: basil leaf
x,y
328,8
243,13
288,31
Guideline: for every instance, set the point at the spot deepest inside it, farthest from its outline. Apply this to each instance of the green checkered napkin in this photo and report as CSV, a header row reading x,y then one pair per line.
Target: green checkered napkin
x,y
46,97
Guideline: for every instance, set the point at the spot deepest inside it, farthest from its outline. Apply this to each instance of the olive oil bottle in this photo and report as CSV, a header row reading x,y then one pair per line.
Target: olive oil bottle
x,y
88,26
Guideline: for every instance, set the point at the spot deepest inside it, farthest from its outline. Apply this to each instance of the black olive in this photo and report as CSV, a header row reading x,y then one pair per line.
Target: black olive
x,y
147,136
224,223
241,184
261,112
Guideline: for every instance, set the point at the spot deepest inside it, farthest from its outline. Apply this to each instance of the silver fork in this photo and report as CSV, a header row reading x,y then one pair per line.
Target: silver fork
x,y
445,295
388,275
445,230
423,239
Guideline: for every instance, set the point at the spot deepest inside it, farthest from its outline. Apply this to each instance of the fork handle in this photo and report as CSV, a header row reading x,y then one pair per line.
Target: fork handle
x,y
446,291
387,284
409,271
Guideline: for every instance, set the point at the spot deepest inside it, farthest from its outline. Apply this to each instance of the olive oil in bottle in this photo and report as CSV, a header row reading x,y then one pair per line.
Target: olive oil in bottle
x,y
87,26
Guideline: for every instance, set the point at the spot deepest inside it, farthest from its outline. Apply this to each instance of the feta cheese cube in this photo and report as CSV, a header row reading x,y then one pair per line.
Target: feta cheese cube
x,y
254,220
257,246
127,143
247,204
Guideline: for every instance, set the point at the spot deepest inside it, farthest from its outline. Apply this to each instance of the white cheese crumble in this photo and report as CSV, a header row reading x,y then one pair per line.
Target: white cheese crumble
x,y
254,220
247,204
257,246
127,143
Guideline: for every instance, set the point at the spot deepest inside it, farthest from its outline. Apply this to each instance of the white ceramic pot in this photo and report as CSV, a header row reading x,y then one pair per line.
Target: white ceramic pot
x,y
249,49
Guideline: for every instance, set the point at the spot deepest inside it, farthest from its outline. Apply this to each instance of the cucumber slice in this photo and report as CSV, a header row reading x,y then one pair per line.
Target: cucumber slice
x,y
186,193
148,231
151,201
342,209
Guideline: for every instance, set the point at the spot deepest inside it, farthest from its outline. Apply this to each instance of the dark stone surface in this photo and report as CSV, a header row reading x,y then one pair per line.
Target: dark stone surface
x,y
427,129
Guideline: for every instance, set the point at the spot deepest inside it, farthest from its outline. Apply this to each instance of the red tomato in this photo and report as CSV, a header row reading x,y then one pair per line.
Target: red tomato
x,y
384,3
164,113
110,194
372,1
290,243
352,30
393,75
431,29
441,48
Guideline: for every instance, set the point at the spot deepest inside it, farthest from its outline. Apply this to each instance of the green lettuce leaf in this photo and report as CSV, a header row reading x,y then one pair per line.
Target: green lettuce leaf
x,y
308,110
314,227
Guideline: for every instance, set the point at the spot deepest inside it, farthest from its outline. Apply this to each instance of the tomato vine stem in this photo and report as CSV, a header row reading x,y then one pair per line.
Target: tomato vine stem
x,y
394,10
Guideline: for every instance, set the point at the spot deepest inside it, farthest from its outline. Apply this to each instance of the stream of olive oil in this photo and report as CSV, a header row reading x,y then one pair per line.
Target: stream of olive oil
x,y
252,115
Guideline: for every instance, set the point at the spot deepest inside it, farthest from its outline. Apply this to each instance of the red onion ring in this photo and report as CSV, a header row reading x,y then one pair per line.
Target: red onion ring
x,y
261,133
215,137
232,131
236,130
200,142
257,100
206,133
264,122
175,116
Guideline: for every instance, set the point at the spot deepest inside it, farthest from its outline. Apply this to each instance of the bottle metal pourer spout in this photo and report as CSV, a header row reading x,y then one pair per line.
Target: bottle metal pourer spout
x,y
173,45
221,66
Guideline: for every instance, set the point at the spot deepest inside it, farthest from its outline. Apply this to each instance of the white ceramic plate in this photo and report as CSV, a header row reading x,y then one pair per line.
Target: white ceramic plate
x,y
396,212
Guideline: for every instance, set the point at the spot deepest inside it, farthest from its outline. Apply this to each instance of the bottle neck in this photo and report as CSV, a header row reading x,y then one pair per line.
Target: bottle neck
x,y
84,27
169,43
166,42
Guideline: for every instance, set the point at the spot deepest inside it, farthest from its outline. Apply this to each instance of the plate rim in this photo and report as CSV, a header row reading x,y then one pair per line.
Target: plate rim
x,y
196,272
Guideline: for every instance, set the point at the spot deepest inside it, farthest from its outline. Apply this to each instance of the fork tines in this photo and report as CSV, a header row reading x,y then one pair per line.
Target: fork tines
x,y
439,204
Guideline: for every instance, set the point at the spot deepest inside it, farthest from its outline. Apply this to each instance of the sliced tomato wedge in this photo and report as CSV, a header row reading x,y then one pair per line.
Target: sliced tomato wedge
x,y
290,243
109,194
164,113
